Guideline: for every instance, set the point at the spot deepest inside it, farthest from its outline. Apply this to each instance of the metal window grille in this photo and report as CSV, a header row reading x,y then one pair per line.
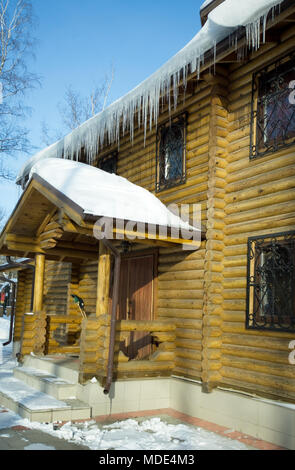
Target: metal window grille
x,y
271,282
273,108
109,163
171,145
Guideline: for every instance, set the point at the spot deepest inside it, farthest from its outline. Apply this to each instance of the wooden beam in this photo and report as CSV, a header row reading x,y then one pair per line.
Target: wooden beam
x,y
103,280
38,283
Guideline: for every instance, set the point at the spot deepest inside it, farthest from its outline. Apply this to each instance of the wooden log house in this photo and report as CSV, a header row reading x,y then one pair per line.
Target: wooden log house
x,y
221,315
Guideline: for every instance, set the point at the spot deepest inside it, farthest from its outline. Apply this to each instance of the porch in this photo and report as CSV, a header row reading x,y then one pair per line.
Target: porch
x,y
89,355
51,226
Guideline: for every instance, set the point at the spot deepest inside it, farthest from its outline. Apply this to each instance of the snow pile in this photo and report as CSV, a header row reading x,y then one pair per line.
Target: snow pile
x,y
103,194
144,101
150,434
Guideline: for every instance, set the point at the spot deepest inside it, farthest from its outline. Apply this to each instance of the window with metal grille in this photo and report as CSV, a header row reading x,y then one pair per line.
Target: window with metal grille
x,y
109,163
273,107
271,282
171,143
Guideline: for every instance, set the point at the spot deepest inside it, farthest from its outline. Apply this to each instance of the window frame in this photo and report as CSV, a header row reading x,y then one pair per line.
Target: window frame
x,y
256,150
254,319
181,121
105,158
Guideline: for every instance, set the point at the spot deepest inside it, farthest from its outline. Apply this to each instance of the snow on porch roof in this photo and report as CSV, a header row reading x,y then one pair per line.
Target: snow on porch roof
x,y
144,100
101,194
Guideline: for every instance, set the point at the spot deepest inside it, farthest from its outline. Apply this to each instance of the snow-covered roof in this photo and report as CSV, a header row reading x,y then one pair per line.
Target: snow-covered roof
x,y
205,4
103,194
144,100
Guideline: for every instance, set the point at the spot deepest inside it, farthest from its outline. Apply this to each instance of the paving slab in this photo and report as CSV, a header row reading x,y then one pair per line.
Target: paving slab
x,y
21,438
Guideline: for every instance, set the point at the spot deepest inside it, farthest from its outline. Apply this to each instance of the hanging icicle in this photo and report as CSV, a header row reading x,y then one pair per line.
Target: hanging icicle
x,y
106,127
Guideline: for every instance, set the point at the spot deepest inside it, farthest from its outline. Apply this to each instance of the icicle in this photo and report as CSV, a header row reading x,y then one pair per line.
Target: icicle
x,y
146,98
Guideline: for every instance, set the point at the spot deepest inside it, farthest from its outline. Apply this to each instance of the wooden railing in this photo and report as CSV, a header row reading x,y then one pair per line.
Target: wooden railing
x,y
95,348
55,334
50,334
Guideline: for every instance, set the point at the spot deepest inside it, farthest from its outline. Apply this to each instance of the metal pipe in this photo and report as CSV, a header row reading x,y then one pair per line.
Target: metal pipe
x,y
3,278
115,299
11,264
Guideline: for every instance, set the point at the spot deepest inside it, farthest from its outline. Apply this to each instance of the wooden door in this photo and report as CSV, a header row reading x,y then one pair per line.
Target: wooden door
x,y
136,300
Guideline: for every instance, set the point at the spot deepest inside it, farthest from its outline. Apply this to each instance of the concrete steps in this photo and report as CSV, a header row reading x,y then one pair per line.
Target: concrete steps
x,y
46,383
44,390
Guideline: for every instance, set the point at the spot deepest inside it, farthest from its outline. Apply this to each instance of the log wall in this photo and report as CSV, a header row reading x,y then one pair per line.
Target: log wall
x,y
180,273
260,199
204,292
87,285
57,279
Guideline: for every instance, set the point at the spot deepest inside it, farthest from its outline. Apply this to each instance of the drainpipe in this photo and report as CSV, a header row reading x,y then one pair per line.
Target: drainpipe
x,y
11,264
3,278
115,299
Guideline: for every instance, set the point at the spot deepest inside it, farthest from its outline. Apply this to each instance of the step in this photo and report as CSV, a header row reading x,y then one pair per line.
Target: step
x,y
38,406
45,382
62,366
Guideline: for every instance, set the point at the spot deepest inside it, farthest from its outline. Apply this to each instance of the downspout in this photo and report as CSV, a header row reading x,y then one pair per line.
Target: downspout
x,y
3,278
115,299
12,264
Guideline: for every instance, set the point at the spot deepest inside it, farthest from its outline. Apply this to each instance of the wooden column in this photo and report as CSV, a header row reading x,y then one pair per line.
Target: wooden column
x,y
94,335
39,283
213,275
103,280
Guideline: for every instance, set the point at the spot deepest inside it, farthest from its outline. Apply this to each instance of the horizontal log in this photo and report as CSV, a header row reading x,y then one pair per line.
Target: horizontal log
x,y
248,352
184,343
189,334
149,326
181,304
159,355
144,366
180,294
188,363
163,336
271,381
176,313
192,354
256,365
265,340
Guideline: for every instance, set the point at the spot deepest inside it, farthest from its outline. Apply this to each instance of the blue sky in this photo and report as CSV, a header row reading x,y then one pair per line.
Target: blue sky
x,y
79,40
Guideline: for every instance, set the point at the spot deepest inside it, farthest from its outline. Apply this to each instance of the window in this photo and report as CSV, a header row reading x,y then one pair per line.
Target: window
x,y
109,163
273,108
271,282
171,143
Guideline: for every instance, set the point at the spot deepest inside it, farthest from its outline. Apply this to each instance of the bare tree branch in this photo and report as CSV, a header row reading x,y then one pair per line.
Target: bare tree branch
x,y
16,48
76,109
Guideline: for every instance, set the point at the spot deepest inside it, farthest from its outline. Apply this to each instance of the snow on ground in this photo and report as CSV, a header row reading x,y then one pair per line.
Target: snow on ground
x,y
5,351
148,434
130,434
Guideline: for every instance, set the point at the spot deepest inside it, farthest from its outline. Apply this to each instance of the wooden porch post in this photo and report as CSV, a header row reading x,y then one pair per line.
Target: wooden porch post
x,y
39,283
103,280
92,360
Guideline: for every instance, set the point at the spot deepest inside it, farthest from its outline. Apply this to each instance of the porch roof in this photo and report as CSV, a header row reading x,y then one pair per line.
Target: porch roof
x,y
85,195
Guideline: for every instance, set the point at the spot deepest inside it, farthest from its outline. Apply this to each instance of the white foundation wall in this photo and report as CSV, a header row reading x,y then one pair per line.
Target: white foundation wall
x,y
261,418
127,396
265,419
